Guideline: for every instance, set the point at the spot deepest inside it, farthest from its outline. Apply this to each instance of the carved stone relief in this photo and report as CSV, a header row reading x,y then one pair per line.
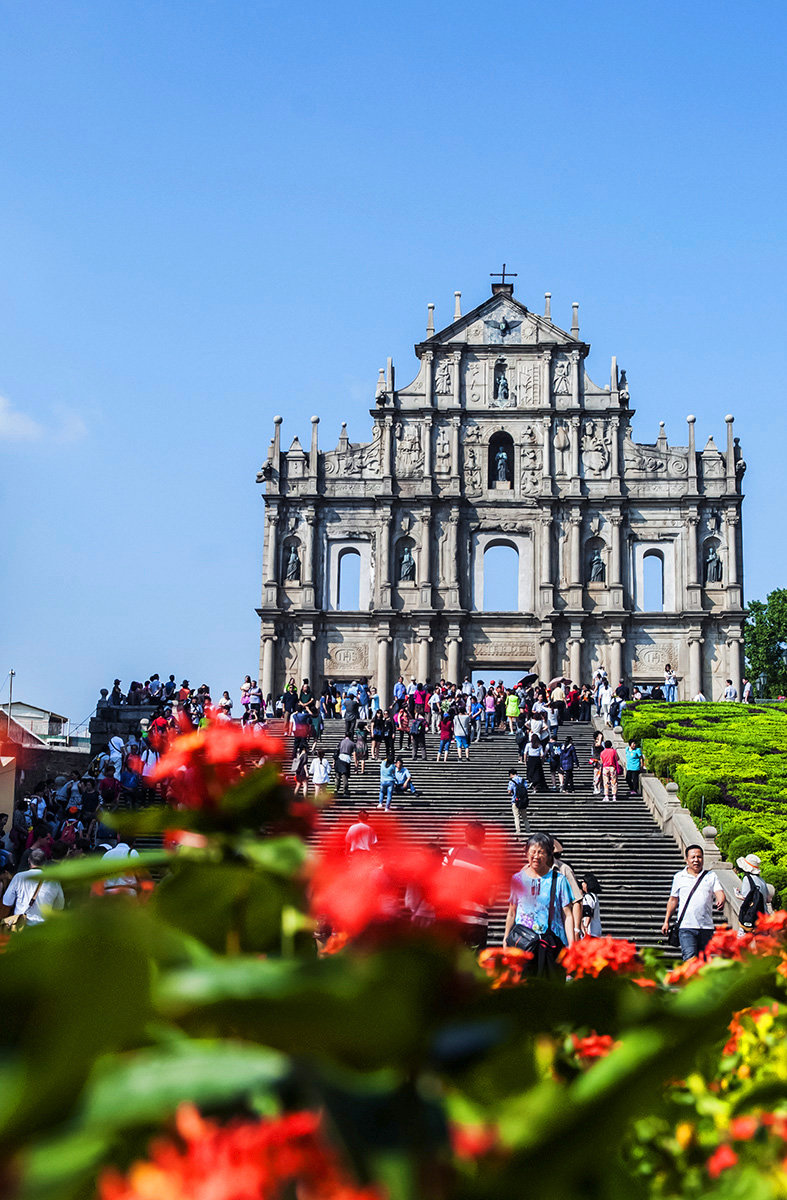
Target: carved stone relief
x,y
443,380
404,657
347,656
472,460
595,449
532,463
562,447
409,450
654,656
442,453
561,377
474,382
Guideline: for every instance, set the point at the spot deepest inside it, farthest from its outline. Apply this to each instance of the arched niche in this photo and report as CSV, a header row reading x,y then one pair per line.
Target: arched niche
x,y
712,565
335,551
665,550
596,562
291,561
348,584
402,547
500,443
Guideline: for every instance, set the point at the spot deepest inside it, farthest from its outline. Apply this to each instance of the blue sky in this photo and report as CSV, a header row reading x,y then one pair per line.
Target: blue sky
x,y
214,212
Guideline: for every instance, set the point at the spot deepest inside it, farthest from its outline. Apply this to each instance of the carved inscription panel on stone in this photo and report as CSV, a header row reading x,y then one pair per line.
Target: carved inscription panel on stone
x,y
652,658
348,656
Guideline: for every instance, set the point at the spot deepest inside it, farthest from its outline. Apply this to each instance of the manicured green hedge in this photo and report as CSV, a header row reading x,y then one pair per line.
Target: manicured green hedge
x,y
730,763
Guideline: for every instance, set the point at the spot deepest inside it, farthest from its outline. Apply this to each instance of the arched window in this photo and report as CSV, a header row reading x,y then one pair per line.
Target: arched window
x,y
349,589
653,581
501,459
501,578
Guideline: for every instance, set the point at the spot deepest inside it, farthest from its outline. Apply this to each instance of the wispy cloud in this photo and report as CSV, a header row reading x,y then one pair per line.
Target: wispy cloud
x,y
17,426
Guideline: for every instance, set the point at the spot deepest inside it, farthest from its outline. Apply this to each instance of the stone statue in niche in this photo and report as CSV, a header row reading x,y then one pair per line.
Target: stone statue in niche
x,y
502,392
407,566
598,572
713,567
562,446
562,382
292,570
443,377
501,463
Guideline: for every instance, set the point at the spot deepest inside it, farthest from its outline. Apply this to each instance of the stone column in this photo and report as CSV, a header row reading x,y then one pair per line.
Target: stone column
x,y
456,378
614,451
453,644
454,447
268,678
423,657
451,581
383,681
428,376
735,661
731,521
575,659
574,426
307,594
692,521
427,437
615,661
546,455
384,570
575,377
387,440
695,667
546,590
271,539
575,566
545,659
425,550
546,379
306,656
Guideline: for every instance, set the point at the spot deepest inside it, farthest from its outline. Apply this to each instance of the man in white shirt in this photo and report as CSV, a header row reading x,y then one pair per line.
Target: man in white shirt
x,y
360,836
320,771
730,692
692,896
124,884
30,895
700,698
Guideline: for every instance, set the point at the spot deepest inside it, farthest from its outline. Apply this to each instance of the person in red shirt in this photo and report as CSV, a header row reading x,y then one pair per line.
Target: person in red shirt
x,y
109,789
611,767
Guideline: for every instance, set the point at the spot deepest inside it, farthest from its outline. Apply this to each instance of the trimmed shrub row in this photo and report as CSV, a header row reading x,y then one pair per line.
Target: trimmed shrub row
x,y
730,764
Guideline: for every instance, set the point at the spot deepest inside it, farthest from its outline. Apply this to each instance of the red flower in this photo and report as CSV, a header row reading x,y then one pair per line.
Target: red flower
x,y
352,892
594,956
743,1129
595,1045
721,1160
201,765
474,1141
262,1160
737,1027
504,967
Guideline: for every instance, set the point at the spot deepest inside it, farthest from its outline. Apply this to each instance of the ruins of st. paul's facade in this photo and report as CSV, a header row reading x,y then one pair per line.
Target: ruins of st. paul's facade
x,y
624,554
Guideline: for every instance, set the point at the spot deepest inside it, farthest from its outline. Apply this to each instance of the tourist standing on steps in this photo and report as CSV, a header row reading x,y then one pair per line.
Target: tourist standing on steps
x,y
552,760
489,714
512,710
387,780
462,734
532,889
576,891
517,794
591,909
320,771
446,734
610,769
300,769
361,747
418,732
351,711
694,892
634,760
378,720
568,761
595,761
670,685
534,765
345,757
389,733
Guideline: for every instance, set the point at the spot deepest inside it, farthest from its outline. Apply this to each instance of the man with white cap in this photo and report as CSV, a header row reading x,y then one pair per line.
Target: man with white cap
x,y
755,894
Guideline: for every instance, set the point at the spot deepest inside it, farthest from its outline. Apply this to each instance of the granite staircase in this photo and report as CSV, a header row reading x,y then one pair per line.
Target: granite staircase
x,y
617,840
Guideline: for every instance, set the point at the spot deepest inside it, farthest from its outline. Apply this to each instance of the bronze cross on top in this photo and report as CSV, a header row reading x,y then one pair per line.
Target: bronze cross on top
x,y
502,274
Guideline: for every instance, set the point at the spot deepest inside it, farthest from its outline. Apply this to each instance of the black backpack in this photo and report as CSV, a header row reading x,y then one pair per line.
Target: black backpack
x,y
753,904
520,794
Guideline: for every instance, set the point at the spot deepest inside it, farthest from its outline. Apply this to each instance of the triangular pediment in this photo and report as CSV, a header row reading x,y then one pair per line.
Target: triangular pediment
x,y
501,320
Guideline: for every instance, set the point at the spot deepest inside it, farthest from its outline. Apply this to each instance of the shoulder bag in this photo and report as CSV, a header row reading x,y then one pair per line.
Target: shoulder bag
x,y
545,947
18,921
673,938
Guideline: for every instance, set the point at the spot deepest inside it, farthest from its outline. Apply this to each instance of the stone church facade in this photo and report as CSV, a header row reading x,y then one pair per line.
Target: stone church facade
x,y
502,439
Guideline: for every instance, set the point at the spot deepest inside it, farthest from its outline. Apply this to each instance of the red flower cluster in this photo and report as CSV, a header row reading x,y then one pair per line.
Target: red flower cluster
x,y
721,1160
264,1159
737,1027
200,766
595,1045
743,1129
474,1141
350,893
504,967
605,955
